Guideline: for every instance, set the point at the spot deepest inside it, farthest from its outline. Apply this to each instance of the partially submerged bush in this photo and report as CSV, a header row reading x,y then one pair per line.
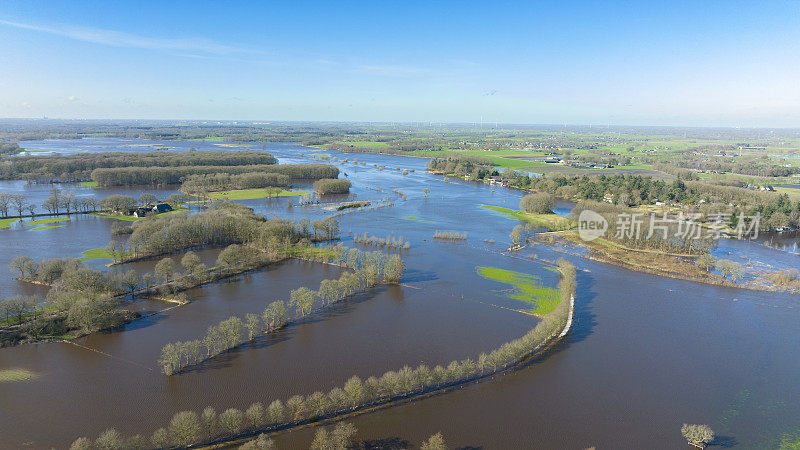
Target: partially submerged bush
x,y
332,186
539,203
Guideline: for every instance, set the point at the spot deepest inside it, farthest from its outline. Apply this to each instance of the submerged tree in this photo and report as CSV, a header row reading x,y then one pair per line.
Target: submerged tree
x,y
697,435
165,268
435,442
303,299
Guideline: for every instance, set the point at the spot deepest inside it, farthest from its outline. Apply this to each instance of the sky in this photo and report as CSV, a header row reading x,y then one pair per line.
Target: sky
x,y
694,63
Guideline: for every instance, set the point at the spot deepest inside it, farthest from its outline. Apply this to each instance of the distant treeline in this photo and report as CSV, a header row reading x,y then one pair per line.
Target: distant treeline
x,y
776,210
80,166
130,176
196,184
757,167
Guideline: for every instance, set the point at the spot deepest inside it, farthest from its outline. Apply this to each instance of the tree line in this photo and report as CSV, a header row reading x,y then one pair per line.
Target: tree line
x,y
132,176
189,428
198,184
388,241
370,269
80,165
450,235
16,202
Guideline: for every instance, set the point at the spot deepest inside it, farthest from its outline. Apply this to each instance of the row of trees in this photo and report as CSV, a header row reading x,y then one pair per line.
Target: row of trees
x,y
196,184
388,241
450,235
61,201
16,201
332,186
80,165
129,176
189,428
752,166
65,201
370,270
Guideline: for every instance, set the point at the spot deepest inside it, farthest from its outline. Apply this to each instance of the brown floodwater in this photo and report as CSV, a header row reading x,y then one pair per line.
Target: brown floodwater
x,y
647,353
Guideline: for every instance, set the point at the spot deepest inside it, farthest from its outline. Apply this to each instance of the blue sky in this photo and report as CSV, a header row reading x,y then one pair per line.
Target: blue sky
x,y
694,63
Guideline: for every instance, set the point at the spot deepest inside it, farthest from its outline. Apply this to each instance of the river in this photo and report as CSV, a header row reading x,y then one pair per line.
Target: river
x,y
646,354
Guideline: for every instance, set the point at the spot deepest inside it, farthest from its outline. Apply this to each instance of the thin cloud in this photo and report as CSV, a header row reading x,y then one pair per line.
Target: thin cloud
x,y
122,39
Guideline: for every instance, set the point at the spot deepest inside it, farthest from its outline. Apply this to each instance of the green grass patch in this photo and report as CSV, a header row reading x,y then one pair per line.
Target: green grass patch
x,y
14,375
251,194
417,219
46,227
310,252
526,289
210,138
46,221
100,253
365,144
792,192
91,184
115,216
550,221
96,253
5,223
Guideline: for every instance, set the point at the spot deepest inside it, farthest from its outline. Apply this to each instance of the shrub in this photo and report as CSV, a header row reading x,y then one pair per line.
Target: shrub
x,y
332,186
539,203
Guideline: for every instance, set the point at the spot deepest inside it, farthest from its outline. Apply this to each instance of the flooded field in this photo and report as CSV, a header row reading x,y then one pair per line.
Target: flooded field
x,y
647,353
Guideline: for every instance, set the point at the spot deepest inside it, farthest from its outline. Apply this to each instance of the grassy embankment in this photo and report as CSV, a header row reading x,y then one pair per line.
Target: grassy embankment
x,y
307,252
41,224
551,221
12,375
252,194
527,289
101,253
6,223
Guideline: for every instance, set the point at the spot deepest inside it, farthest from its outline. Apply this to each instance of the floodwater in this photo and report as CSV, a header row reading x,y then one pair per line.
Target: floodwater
x,y
647,353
